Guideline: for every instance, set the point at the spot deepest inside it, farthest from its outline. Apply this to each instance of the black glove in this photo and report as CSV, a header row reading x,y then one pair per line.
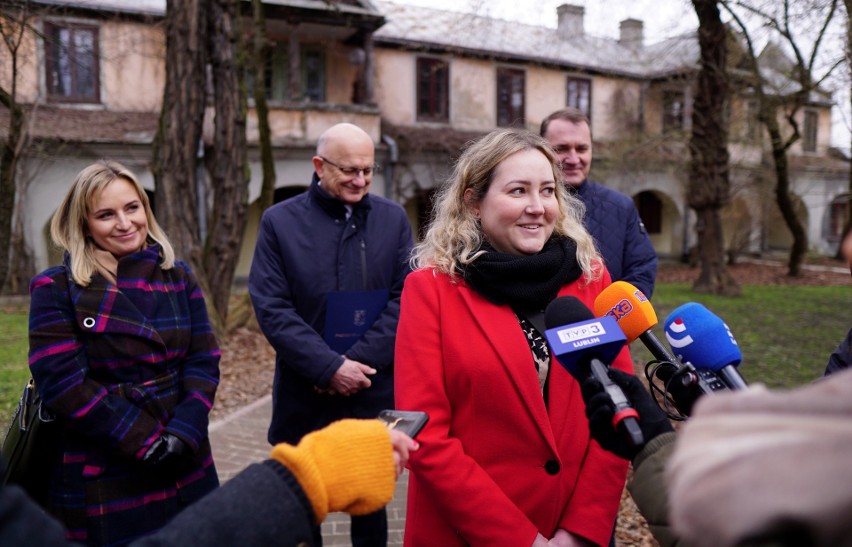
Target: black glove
x,y
167,449
599,410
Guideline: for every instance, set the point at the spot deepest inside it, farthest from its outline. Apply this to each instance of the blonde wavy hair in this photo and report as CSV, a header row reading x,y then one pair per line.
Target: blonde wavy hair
x,y
69,227
455,236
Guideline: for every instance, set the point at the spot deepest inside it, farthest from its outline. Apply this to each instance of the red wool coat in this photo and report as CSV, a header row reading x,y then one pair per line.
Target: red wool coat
x,y
496,466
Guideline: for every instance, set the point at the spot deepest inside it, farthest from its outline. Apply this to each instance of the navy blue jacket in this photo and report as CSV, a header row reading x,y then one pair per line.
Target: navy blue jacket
x,y
613,221
305,249
263,505
841,359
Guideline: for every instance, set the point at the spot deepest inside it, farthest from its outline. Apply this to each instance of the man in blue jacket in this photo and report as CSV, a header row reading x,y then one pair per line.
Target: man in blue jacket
x,y
325,282
611,216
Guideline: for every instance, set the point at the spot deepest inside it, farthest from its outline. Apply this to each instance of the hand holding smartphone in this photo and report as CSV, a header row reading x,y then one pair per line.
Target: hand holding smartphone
x,y
409,422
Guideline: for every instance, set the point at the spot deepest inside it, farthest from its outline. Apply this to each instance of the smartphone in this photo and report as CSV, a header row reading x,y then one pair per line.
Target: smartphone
x,y
409,422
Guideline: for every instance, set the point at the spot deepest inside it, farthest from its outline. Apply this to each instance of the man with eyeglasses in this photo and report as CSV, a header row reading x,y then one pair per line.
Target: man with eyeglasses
x,y
325,283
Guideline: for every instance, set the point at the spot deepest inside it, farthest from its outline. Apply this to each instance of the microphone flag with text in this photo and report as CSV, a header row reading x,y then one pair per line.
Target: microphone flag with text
x,y
585,346
636,317
700,337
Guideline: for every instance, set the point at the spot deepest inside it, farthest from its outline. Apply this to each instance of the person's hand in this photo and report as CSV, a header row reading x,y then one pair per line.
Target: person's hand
x,y
351,377
564,538
167,448
348,466
600,409
402,446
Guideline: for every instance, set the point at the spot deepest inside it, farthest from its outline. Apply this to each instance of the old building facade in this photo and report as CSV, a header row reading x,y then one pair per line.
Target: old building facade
x,y
421,82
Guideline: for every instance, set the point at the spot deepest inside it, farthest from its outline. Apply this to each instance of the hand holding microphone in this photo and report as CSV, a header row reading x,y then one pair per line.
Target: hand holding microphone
x,y
599,409
585,346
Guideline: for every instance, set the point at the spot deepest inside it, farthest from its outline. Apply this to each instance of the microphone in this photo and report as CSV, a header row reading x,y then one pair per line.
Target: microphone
x,y
700,337
585,346
636,317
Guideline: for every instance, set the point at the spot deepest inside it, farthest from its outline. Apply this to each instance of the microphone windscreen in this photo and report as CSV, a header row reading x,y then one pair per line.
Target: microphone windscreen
x,y
564,311
576,336
700,337
627,305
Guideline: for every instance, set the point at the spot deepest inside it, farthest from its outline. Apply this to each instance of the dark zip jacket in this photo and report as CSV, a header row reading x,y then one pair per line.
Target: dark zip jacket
x,y
305,249
612,219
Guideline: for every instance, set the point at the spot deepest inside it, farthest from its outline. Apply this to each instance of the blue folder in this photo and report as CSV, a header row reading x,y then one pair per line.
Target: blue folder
x,y
350,314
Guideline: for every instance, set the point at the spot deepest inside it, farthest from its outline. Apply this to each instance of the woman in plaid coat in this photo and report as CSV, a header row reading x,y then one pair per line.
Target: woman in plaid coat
x,y
122,351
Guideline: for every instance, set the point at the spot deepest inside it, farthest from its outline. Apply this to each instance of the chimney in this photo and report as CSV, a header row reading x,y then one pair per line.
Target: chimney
x,y
570,19
631,33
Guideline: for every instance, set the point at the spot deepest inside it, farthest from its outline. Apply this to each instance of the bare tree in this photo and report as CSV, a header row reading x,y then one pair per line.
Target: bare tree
x,y
260,52
848,5
202,36
13,27
709,185
228,163
175,147
774,103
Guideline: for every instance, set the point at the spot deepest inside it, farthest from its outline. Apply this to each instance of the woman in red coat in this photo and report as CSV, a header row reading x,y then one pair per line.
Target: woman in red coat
x,y
506,458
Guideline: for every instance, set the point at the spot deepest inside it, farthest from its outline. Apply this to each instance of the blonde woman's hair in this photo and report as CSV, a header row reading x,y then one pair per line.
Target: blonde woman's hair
x,y
68,227
454,236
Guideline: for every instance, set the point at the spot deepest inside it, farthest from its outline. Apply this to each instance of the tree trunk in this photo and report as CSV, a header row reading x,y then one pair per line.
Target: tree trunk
x,y
709,186
175,148
267,162
782,192
848,225
229,175
8,169
714,277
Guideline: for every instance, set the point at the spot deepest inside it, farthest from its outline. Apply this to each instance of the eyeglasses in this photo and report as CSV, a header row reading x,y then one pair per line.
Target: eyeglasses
x,y
353,171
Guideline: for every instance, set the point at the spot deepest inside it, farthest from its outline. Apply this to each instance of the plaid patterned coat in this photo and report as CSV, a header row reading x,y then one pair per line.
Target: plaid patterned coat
x,y
120,365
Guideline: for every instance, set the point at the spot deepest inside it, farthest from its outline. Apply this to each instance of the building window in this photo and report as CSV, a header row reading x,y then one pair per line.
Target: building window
x,y
433,90
71,62
510,97
311,73
751,124
580,95
673,108
838,213
650,210
809,136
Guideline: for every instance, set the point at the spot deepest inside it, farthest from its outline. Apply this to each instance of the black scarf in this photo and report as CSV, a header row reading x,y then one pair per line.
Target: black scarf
x,y
527,282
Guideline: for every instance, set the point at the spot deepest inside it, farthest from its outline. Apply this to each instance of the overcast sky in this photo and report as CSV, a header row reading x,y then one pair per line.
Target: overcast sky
x,y
661,18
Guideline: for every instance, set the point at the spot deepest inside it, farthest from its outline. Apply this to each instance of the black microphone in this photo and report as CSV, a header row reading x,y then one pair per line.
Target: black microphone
x,y
585,346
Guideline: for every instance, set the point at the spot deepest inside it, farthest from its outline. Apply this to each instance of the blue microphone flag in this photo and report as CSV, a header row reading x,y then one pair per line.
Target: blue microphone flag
x,y
700,337
577,343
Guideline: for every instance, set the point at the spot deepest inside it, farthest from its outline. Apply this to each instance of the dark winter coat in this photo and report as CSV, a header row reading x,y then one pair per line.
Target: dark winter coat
x,y
120,365
263,505
841,359
306,249
613,221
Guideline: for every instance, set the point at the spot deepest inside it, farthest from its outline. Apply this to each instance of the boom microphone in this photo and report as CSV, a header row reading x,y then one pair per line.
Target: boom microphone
x,y
636,317
585,346
700,337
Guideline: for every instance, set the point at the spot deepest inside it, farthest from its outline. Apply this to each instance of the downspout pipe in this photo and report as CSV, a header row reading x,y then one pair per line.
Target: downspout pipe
x,y
393,159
